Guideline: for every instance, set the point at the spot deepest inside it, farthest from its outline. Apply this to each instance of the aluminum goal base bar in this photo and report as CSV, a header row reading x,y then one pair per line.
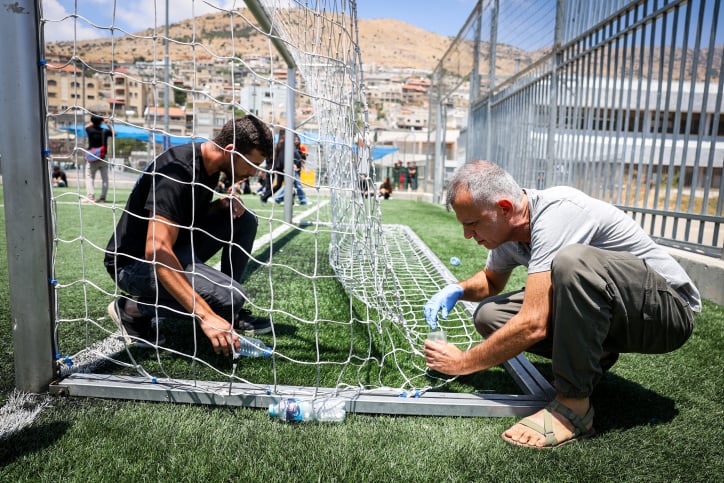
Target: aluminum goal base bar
x,y
537,392
247,395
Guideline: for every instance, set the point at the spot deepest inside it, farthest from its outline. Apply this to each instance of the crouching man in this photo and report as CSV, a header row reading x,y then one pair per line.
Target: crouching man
x,y
171,226
597,286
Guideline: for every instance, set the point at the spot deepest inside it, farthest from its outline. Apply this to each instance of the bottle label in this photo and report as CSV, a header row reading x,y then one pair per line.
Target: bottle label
x,y
294,410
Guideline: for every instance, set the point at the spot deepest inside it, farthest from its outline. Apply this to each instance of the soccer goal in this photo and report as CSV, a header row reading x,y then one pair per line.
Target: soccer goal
x,y
344,293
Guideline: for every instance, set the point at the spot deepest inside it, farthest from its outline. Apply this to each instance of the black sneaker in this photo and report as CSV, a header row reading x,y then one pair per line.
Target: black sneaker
x,y
248,324
136,331
608,361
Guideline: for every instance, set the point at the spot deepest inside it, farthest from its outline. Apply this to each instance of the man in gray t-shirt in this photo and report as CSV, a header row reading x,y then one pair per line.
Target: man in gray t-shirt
x,y
597,285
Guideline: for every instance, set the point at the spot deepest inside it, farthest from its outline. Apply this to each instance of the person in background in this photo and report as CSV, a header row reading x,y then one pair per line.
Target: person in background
x,y
224,184
396,172
364,185
59,179
386,189
261,180
98,135
412,175
275,175
403,176
172,225
597,286
300,155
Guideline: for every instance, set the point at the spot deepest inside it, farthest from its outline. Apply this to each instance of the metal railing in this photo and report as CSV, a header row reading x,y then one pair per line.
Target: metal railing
x,y
621,99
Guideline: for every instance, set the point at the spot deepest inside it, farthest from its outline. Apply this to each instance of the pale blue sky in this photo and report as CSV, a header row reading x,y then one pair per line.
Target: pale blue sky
x,y
444,17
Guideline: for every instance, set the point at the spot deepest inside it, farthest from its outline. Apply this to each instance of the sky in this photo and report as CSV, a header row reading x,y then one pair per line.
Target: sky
x,y
445,17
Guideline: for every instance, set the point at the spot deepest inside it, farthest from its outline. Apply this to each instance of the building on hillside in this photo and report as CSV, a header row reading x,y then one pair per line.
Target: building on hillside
x,y
415,118
68,87
155,118
206,118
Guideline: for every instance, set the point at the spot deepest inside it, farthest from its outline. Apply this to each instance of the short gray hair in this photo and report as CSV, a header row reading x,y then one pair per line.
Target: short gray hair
x,y
486,182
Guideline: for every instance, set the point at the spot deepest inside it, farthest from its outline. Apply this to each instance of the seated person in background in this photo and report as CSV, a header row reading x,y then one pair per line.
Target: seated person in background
x,y
224,184
386,188
171,226
60,180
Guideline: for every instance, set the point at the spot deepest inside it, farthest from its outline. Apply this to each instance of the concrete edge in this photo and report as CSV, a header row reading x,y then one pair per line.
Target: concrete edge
x,y
707,273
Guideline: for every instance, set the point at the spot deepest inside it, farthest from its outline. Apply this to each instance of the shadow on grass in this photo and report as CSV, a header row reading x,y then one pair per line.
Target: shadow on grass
x,y
622,404
30,440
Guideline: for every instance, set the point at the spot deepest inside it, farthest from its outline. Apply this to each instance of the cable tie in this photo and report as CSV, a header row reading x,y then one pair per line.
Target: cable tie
x,y
68,361
43,62
154,380
46,152
58,356
53,282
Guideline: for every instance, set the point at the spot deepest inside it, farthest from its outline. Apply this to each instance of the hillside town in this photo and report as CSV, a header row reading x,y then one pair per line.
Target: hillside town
x,y
202,94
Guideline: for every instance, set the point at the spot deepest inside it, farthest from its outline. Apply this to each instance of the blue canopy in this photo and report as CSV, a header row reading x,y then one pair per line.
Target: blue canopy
x,y
124,131
379,152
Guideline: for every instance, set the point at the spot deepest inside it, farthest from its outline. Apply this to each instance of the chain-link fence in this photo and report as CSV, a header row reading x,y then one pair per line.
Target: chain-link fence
x,y
621,99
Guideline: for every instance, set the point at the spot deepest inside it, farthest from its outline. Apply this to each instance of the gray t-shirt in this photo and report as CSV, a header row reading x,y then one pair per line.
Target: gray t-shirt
x,y
562,216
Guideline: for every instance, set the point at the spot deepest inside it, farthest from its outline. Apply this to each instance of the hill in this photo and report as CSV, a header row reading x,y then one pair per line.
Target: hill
x,y
383,42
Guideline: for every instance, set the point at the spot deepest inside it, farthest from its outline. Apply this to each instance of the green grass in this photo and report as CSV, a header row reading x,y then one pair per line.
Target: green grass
x,y
659,417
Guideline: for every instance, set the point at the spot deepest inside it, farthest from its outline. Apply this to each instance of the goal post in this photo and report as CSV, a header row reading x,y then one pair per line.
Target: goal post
x,y
26,191
343,292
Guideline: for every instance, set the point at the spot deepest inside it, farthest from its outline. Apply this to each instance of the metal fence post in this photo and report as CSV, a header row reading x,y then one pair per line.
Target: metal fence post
x,y
550,177
491,87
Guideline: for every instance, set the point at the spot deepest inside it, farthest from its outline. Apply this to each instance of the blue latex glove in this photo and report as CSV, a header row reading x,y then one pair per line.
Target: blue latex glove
x,y
443,301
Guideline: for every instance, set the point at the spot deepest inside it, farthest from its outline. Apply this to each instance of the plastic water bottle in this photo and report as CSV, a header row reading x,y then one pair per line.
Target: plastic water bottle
x,y
437,336
293,410
251,347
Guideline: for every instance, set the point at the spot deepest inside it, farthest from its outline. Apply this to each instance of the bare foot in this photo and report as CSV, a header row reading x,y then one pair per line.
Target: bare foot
x,y
560,425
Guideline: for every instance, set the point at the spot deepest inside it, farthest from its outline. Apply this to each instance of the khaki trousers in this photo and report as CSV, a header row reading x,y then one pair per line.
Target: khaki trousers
x,y
602,301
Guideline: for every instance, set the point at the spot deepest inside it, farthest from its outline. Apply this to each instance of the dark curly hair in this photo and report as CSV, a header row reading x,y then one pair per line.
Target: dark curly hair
x,y
246,134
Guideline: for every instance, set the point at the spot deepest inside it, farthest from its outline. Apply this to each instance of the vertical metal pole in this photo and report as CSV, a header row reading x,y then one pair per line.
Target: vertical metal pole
x,y
491,88
289,146
553,106
166,137
27,191
474,83
439,159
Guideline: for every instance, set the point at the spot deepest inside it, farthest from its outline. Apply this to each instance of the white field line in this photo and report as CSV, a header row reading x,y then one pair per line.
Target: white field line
x,y
19,412
266,239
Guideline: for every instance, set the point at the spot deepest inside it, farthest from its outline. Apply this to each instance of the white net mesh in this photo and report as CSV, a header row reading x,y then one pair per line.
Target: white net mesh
x,y
344,292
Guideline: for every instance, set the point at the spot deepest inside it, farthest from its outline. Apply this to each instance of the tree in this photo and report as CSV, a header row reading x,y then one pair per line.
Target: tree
x,y
179,97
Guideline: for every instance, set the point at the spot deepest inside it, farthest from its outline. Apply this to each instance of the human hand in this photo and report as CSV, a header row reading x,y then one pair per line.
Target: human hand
x,y
444,357
233,201
443,301
220,334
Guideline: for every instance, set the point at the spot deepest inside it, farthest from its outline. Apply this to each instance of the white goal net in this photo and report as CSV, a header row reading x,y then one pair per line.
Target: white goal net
x,y
344,293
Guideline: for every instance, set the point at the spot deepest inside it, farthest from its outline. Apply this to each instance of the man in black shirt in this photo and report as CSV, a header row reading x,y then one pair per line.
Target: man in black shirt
x,y
171,226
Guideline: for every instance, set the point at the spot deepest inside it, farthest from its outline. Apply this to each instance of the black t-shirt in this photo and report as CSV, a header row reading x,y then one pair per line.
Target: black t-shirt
x,y
97,136
175,186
